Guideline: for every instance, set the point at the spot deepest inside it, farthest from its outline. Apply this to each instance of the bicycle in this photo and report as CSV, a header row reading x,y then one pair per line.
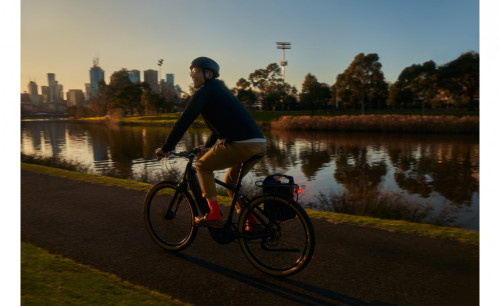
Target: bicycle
x,y
278,245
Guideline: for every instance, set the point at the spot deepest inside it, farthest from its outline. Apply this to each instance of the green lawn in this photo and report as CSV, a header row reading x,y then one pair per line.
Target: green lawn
x,y
48,279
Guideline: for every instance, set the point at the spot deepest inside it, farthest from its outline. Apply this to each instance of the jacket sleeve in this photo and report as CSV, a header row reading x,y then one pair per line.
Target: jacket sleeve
x,y
192,111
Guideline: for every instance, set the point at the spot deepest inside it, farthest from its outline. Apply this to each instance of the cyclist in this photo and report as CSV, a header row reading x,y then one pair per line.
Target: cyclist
x,y
235,135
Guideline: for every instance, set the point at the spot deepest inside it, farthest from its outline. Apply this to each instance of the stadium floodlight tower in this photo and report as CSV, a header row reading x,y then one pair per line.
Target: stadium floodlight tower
x,y
283,46
160,62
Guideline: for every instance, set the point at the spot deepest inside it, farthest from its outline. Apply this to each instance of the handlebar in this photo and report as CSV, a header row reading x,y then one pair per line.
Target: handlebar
x,y
186,154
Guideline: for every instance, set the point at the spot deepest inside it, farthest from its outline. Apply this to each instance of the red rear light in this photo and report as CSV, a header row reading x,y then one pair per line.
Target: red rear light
x,y
299,191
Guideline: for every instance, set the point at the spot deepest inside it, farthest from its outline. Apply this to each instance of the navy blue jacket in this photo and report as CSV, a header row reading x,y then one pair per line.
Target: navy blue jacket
x,y
222,112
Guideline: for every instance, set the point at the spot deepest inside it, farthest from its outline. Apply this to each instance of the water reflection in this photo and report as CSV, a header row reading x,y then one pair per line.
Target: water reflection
x,y
439,172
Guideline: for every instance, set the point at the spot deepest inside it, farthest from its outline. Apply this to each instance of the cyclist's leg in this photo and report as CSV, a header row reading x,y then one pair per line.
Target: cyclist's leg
x,y
220,157
224,156
244,151
232,174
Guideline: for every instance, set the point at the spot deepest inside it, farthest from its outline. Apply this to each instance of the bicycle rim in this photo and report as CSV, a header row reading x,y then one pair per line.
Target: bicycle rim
x,y
277,247
169,216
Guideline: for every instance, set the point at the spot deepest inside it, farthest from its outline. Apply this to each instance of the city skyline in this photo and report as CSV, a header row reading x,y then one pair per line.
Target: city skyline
x,y
59,37
96,74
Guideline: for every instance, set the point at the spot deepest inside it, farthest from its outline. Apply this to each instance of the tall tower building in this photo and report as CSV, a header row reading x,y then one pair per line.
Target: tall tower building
x,y
45,94
33,88
75,97
151,77
60,93
134,76
170,79
52,94
36,99
96,74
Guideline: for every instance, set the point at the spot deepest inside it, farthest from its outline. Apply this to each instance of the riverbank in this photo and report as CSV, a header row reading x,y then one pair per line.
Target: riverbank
x,y
438,123
420,229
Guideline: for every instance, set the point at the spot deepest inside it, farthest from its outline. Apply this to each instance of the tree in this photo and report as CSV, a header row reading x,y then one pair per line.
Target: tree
x,y
244,93
345,95
150,102
416,86
97,106
363,80
266,82
314,94
168,98
263,78
122,93
270,89
461,78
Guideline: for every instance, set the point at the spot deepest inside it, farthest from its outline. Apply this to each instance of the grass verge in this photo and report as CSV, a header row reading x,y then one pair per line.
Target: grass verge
x,y
48,279
427,230
400,226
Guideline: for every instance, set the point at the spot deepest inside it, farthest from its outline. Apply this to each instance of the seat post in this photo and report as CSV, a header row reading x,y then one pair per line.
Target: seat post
x,y
244,165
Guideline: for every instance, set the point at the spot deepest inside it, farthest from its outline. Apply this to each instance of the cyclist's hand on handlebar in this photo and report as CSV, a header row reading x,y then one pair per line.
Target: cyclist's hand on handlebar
x,y
203,150
160,154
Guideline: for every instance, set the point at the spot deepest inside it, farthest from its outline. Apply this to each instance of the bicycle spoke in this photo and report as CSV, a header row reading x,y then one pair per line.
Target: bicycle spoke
x,y
288,243
263,245
170,219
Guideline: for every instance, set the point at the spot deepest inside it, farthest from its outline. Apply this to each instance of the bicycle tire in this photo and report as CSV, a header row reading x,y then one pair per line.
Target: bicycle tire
x,y
173,229
278,248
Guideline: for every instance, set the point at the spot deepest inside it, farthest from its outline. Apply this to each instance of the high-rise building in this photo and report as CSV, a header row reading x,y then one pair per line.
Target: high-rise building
x,y
52,94
45,93
151,77
134,76
75,97
170,78
59,93
87,91
32,88
36,99
96,74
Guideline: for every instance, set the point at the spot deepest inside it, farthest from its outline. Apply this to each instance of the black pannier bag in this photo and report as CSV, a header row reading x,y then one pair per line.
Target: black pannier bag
x,y
279,185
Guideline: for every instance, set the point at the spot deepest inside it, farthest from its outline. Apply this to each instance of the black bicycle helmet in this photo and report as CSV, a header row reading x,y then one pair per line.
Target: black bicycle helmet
x,y
206,63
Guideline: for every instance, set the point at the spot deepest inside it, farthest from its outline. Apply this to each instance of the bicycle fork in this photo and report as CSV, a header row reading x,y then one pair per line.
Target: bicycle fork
x,y
176,200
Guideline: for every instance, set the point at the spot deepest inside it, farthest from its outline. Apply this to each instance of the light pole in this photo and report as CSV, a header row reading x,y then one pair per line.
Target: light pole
x,y
283,46
160,62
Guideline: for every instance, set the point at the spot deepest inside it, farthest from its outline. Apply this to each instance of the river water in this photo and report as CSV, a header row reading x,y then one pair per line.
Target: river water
x,y
434,178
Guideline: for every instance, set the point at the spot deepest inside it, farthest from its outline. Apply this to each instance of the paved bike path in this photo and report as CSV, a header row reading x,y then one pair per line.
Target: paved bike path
x,y
102,227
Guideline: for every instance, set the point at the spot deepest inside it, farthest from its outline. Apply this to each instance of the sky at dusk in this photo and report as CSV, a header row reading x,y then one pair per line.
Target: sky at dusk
x,y
64,36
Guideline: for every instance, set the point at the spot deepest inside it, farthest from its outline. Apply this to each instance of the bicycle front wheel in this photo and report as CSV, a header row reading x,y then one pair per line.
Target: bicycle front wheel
x,y
282,242
169,216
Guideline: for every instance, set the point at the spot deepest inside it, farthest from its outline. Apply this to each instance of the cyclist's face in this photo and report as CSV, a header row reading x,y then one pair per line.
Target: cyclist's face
x,y
197,77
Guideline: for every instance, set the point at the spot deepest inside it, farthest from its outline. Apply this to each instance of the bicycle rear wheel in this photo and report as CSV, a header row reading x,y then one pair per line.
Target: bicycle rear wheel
x,y
169,216
278,245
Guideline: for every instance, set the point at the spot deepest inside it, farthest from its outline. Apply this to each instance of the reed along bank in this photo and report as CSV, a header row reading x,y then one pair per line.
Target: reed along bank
x,y
381,123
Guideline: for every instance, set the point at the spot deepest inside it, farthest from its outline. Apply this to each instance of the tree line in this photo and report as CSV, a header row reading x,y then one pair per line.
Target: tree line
x,y
362,86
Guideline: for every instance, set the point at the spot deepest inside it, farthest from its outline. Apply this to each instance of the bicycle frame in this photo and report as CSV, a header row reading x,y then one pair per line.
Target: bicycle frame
x,y
262,242
190,181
